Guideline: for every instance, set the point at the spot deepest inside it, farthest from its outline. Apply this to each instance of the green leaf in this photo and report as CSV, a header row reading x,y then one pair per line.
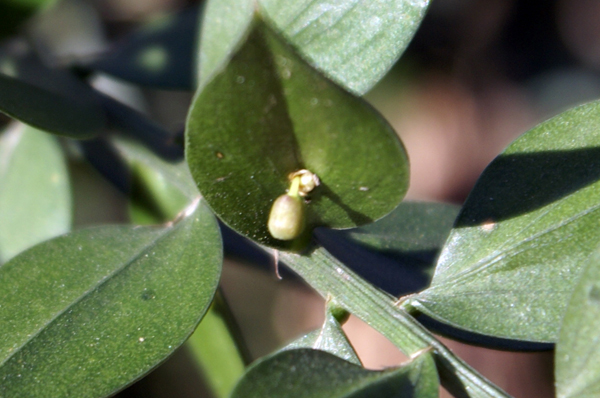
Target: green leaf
x,y
53,100
225,24
577,351
160,54
51,111
354,42
96,309
396,253
306,373
269,114
35,195
133,124
511,263
413,227
329,338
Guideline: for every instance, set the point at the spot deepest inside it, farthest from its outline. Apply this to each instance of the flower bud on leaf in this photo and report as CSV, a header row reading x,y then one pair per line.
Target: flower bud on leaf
x,y
286,220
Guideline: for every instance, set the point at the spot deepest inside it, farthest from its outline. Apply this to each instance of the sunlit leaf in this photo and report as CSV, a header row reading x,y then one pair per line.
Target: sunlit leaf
x,y
224,24
577,351
94,310
511,262
35,195
354,42
329,338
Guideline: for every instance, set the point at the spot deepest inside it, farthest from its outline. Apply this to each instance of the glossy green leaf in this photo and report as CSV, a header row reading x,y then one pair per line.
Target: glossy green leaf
x,y
396,253
96,309
225,24
329,338
577,354
306,373
160,54
159,190
354,42
35,194
269,114
51,111
510,265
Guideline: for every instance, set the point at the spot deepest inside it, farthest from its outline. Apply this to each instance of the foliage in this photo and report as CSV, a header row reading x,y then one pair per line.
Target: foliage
x,y
278,88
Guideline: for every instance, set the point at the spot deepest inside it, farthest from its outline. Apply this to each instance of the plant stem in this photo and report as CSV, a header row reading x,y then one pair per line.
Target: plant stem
x,y
218,349
330,277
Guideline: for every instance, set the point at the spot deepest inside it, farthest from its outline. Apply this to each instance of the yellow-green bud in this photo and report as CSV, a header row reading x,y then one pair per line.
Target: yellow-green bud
x,y
286,220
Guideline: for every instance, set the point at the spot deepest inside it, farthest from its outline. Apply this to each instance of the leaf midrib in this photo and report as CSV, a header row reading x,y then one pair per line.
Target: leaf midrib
x,y
88,292
501,254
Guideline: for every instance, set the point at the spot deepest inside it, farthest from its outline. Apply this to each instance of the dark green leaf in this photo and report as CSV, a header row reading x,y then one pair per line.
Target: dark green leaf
x,y
308,373
510,265
20,61
269,114
577,351
49,110
396,253
94,310
330,338
160,54
134,124
48,93
35,195
354,42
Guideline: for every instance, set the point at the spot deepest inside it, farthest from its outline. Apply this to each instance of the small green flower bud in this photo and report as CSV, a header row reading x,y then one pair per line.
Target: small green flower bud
x,y
286,220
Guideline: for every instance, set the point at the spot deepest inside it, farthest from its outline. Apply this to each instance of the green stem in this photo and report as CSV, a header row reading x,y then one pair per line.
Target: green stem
x,y
218,349
330,277
294,187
